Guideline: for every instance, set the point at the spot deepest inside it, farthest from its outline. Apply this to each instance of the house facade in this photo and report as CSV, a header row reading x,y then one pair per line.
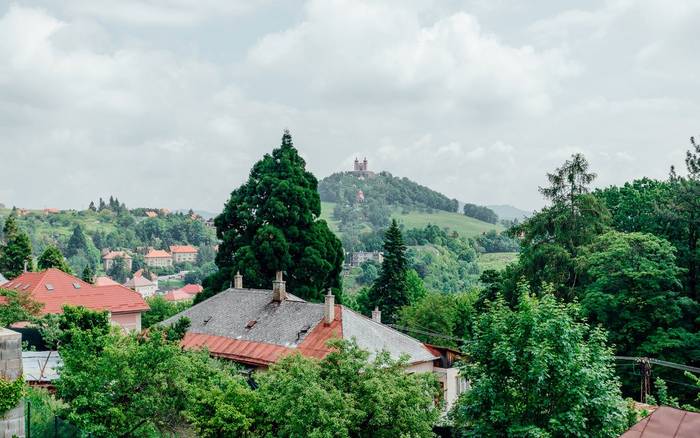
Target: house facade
x,y
360,257
142,285
55,289
158,258
184,253
258,327
109,257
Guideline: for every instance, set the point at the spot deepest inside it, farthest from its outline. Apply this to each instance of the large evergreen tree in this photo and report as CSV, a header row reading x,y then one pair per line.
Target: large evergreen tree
x,y
78,242
390,290
17,251
53,258
271,223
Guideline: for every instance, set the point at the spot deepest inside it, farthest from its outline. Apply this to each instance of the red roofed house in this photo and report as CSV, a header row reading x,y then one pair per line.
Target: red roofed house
x,y
108,259
157,258
186,292
183,253
142,285
192,289
55,288
257,327
104,281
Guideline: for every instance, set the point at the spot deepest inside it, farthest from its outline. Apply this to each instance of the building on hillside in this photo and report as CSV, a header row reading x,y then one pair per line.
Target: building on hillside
x,y
158,258
151,214
51,211
109,256
177,295
142,285
361,168
257,327
360,197
3,280
54,289
666,422
104,281
184,253
359,257
149,275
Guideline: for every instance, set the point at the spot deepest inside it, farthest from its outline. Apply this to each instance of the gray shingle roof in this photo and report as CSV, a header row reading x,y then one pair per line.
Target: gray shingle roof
x,y
230,312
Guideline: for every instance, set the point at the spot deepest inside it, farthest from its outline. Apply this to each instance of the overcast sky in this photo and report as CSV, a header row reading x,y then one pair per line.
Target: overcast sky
x,y
170,102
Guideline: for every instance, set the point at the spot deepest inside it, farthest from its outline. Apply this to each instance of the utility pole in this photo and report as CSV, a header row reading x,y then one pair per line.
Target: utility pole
x,y
645,378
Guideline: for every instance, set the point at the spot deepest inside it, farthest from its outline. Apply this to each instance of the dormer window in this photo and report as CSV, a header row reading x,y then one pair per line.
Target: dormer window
x,y
49,286
76,285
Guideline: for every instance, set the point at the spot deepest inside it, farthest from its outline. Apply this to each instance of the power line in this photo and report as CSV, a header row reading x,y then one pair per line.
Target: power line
x,y
662,363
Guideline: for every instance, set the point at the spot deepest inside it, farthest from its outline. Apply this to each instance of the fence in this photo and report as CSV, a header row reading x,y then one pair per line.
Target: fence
x,y
41,422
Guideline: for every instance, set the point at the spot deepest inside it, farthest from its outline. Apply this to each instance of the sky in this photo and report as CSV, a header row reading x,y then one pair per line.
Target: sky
x,y
170,102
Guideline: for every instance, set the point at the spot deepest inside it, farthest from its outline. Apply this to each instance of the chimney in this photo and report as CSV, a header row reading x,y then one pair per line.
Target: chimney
x,y
238,280
329,308
377,315
279,292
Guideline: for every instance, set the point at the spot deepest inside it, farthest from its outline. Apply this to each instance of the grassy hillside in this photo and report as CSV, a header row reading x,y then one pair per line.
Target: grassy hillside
x,y
496,260
465,226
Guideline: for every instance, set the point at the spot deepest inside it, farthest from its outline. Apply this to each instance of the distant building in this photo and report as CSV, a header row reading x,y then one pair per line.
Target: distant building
x,y
361,168
158,258
104,281
51,211
183,253
108,259
151,214
142,285
55,289
360,196
360,257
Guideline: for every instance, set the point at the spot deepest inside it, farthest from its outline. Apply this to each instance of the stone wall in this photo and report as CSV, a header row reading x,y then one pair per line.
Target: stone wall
x,y
12,423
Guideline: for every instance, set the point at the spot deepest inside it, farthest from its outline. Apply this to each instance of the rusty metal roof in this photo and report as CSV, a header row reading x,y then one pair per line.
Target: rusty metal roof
x,y
666,422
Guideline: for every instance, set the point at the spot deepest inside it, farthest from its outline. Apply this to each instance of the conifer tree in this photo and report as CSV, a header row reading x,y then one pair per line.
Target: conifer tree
x,y
92,207
271,223
88,275
17,251
390,290
53,258
77,242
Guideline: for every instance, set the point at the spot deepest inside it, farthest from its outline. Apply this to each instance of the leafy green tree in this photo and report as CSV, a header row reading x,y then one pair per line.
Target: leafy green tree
x,y
16,306
632,289
536,372
161,309
119,271
53,258
390,291
88,274
481,213
17,251
271,223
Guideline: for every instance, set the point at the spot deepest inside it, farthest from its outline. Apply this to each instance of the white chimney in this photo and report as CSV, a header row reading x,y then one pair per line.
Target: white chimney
x,y
329,308
238,280
279,291
377,315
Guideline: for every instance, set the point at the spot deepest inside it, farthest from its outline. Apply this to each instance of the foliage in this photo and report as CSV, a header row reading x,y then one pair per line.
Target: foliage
x,y
88,274
17,306
346,394
11,393
480,212
161,309
53,258
390,291
535,371
632,289
492,241
441,269
271,223
16,253
119,271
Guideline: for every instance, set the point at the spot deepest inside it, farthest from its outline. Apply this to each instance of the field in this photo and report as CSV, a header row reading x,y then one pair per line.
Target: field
x,y
496,260
460,223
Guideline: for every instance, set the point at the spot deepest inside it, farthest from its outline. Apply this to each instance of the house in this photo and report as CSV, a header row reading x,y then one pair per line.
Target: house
x,y
151,214
192,289
257,327
360,257
54,289
185,293
51,211
158,258
666,422
104,281
183,253
109,257
142,285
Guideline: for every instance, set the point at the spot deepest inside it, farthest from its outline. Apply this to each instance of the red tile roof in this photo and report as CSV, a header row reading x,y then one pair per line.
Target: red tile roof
x,y
157,254
177,295
192,289
104,281
251,353
183,249
114,254
55,288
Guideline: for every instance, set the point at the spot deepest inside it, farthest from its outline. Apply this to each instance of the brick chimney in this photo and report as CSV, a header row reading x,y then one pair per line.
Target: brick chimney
x,y
238,280
377,315
279,291
329,308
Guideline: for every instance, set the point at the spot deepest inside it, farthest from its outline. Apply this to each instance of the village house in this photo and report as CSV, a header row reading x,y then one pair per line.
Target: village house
x,y
158,258
109,257
54,289
142,285
184,253
359,257
257,327
185,293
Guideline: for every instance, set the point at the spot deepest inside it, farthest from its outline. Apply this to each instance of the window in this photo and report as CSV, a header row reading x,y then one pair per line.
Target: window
x,y
49,286
76,285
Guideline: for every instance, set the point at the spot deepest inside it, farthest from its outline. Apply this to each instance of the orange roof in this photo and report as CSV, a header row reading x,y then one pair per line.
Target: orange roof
x,y
157,254
252,353
55,288
114,254
177,295
191,288
183,249
151,214
104,281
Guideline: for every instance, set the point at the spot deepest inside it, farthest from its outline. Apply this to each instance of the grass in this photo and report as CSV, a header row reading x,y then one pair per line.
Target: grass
x,y
465,226
496,260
